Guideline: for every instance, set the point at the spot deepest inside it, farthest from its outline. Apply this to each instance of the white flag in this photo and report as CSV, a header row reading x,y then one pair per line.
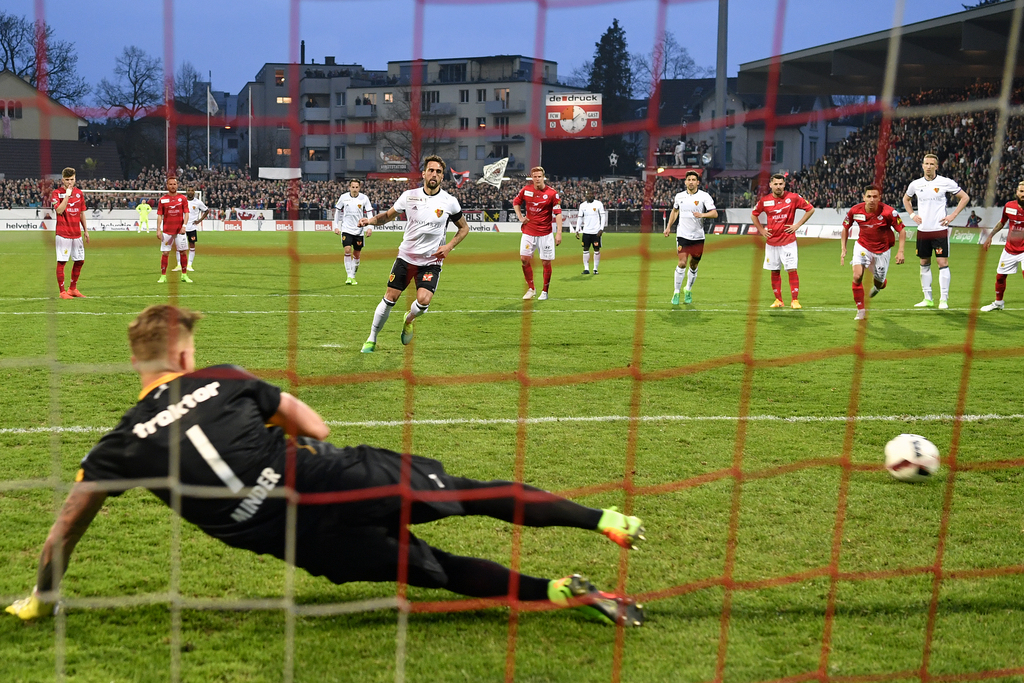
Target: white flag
x,y
493,173
211,104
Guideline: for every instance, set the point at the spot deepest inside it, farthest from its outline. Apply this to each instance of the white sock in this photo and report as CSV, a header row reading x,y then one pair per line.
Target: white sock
x,y
348,265
355,265
680,272
691,275
926,281
380,316
415,311
944,283
586,260
191,257
597,260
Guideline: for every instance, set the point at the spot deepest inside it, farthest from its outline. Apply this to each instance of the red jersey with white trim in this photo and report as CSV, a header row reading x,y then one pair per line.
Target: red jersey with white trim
x,y
174,209
541,208
1013,221
69,223
876,229
781,213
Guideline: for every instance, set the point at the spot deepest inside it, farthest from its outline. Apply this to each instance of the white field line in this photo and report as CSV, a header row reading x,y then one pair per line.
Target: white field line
x,y
595,418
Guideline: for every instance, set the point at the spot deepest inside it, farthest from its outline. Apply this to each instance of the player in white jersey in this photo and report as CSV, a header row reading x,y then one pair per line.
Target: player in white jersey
x,y
591,220
428,211
933,222
351,207
690,206
197,212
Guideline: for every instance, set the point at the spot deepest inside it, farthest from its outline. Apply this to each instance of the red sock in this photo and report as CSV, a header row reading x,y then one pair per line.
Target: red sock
x,y
794,284
183,257
1000,286
777,284
76,270
547,274
858,295
528,274
60,276
163,262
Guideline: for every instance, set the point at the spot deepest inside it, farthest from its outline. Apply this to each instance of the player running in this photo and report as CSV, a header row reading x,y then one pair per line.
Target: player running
x,y
690,206
1013,253
780,249
171,217
877,222
591,220
351,207
230,433
197,213
428,209
542,206
933,233
68,203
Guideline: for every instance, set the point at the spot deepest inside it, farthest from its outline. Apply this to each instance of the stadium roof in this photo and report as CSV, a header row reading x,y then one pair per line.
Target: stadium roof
x,y
951,51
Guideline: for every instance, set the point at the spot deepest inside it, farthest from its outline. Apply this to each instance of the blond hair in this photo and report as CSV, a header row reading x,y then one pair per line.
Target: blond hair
x,y
929,155
154,330
536,168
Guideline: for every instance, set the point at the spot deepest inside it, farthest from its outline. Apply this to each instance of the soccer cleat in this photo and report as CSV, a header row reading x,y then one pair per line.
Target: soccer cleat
x,y
406,333
576,591
675,298
943,304
74,292
621,529
795,304
529,293
876,289
994,306
66,295
353,282
687,297
543,296
586,272
862,314
927,303
191,268
186,278
163,278
595,271
368,347
348,281
777,304
176,268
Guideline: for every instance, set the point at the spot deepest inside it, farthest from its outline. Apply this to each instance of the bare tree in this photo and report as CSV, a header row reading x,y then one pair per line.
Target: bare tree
x,y
190,95
136,89
433,136
580,76
22,42
671,60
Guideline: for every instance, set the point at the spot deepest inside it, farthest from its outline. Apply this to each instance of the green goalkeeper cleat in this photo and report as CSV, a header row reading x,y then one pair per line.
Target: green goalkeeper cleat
x,y
687,297
675,299
621,529
576,591
368,347
163,278
407,334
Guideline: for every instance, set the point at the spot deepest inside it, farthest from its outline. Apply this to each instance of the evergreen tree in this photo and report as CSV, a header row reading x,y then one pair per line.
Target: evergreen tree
x,y
611,73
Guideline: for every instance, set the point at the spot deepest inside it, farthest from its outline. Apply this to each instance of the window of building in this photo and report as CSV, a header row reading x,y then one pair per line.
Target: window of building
x,y
814,149
464,124
284,152
463,96
501,123
339,152
13,108
389,97
814,124
339,125
316,154
369,98
501,95
481,94
452,73
278,76
463,152
369,126
481,152
429,97
500,151
481,122
283,126
771,153
407,95
284,100
728,151
339,99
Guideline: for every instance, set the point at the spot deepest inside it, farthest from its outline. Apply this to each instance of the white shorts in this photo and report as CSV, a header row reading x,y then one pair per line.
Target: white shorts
x,y
180,242
1008,263
544,244
69,248
784,256
864,257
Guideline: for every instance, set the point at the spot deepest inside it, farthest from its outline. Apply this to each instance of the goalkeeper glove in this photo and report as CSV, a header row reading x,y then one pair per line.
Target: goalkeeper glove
x,y
29,608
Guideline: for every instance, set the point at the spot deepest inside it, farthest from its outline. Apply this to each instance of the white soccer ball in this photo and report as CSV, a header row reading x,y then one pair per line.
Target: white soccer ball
x,y
910,457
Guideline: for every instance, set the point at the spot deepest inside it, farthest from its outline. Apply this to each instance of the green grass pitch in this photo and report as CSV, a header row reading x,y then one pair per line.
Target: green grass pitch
x,y
580,355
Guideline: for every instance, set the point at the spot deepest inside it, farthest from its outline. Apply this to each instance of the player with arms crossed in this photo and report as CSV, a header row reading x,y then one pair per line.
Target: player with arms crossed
x,y
171,217
69,204
428,210
877,222
351,207
594,219
543,205
1013,253
780,231
232,431
197,213
143,208
933,233
690,206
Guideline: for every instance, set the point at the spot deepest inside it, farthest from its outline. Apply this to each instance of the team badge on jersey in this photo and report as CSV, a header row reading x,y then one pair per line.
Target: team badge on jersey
x,y
696,203
936,189
439,212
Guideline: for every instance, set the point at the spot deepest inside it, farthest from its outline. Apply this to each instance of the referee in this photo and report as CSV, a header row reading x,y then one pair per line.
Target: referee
x,y
233,434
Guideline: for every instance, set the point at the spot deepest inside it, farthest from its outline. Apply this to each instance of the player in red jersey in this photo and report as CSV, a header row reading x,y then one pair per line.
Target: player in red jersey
x,y
877,222
69,204
780,251
1013,253
542,206
171,217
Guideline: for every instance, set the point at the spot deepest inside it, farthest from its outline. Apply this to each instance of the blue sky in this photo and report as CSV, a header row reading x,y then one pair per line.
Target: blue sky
x,y
234,39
